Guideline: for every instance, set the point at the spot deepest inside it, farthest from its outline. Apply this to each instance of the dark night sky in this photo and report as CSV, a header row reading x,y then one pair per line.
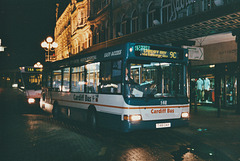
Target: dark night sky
x,y
24,24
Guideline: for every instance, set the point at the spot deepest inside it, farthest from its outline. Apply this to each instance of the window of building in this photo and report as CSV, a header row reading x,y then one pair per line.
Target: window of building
x,y
150,15
85,41
79,46
134,21
57,80
78,79
92,77
207,4
102,32
117,28
96,36
80,18
125,27
111,76
166,11
89,40
104,3
107,31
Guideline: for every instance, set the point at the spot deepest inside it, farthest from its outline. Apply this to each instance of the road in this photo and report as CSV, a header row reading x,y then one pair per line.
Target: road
x,y
29,134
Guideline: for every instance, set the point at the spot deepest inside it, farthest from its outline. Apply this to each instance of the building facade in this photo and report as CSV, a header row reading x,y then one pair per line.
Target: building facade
x,y
85,23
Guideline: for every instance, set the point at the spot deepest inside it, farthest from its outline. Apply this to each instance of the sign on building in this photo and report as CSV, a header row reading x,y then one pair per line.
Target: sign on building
x,y
195,53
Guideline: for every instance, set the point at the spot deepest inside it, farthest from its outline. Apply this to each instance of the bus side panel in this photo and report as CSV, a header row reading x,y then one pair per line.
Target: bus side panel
x,y
46,106
78,114
111,121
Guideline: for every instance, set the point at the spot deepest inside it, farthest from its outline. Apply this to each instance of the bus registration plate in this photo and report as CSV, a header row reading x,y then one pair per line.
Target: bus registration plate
x,y
163,125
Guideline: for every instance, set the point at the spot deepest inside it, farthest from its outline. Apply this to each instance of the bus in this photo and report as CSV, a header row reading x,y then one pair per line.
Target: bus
x,y
30,83
126,87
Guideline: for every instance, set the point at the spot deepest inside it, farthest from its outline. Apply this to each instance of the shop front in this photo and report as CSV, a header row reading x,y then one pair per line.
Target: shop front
x,y
203,84
204,79
214,79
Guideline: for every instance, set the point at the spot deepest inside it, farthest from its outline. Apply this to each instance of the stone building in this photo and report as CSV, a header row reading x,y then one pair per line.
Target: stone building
x,y
85,23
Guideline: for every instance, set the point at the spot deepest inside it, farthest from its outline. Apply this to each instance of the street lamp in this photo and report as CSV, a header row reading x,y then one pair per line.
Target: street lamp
x,y
49,45
38,65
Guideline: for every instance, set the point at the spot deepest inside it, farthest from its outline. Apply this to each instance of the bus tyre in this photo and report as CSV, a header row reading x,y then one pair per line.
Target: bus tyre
x,y
55,111
92,119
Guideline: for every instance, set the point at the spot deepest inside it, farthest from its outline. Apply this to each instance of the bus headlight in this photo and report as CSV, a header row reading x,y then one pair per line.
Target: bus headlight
x,y
14,85
133,117
185,115
31,100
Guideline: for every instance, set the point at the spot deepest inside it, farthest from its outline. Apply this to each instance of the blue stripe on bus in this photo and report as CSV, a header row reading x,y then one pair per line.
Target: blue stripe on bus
x,y
145,101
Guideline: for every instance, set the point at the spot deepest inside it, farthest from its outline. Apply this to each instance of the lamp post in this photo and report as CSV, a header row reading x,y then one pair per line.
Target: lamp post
x,y
49,45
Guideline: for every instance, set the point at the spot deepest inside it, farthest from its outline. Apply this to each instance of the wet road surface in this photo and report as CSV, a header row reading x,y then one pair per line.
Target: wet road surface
x,y
29,134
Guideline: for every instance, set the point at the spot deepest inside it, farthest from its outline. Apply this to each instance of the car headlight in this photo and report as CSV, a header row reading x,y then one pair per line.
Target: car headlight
x,y
31,100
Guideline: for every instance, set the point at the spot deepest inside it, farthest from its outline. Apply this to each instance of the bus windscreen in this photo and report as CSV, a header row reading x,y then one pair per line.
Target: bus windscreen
x,y
32,80
156,80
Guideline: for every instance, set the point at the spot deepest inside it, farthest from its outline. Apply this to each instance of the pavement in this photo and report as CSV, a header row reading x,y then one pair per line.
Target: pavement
x,y
221,132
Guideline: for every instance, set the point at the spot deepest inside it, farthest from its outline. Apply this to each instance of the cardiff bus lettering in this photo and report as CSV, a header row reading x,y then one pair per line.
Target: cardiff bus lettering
x,y
162,111
87,98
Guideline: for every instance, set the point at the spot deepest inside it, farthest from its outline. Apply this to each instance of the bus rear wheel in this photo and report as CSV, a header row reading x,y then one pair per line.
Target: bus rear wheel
x,y
55,111
92,119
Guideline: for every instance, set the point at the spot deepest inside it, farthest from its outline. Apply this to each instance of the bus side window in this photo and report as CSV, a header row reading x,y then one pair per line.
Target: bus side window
x,y
66,80
106,76
57,80
78,79
111,76
92,77
117,75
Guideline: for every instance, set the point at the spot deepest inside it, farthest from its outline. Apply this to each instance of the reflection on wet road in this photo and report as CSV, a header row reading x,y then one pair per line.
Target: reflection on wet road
x,y
45,138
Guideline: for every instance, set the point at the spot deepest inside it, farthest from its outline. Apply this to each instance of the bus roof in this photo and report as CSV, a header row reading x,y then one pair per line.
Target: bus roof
x,y
94,53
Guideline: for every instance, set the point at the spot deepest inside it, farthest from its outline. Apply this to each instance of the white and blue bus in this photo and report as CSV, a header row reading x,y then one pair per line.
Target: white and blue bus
x,y
126,87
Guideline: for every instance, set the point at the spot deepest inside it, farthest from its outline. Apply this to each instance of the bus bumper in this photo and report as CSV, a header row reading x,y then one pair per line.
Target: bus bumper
x,y
128,126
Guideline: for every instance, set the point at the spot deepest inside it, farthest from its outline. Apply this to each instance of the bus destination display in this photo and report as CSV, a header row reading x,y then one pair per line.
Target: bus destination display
x,y
30,69
150,51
